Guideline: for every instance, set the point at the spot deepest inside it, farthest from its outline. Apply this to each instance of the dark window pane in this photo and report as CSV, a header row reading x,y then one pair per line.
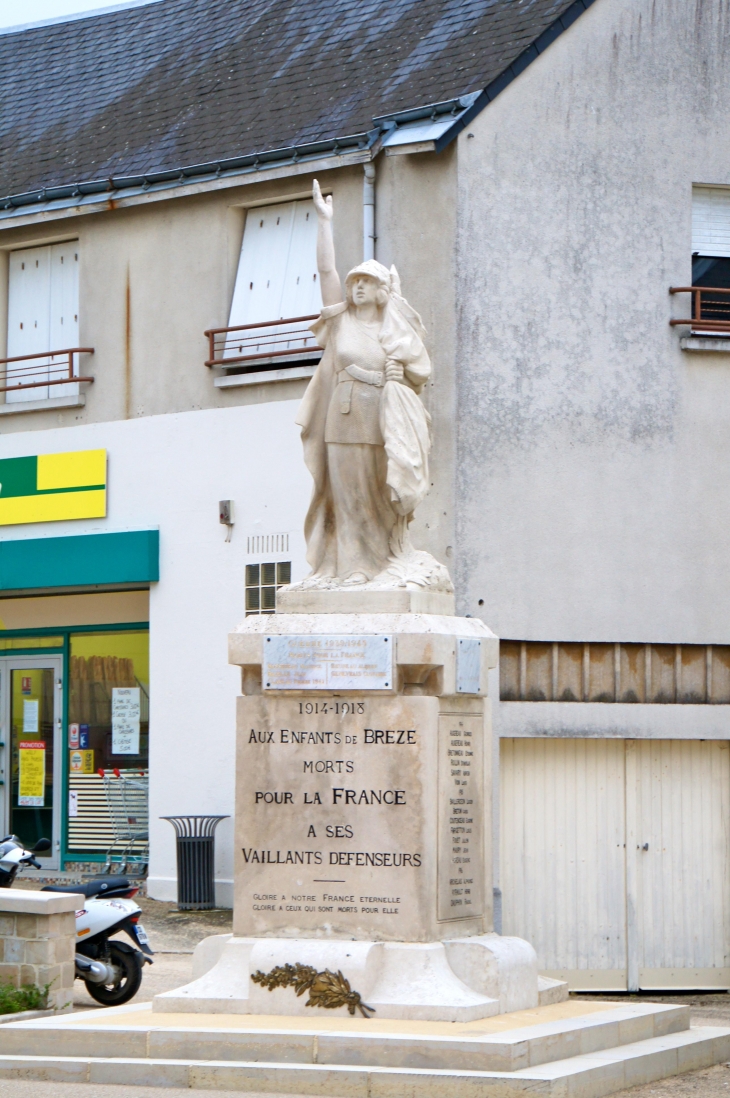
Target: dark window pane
x,y
252,575
712,271
283,573
268,574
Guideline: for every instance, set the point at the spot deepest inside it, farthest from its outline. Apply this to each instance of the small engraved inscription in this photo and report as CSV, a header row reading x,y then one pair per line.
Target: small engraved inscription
x,y
328,662
460,883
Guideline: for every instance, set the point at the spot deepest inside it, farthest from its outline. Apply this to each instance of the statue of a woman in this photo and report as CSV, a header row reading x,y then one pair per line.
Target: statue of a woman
x,y
364,429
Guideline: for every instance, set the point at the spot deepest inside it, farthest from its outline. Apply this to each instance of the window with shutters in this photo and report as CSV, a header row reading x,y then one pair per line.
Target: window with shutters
x,y
276,295
710,289
43,323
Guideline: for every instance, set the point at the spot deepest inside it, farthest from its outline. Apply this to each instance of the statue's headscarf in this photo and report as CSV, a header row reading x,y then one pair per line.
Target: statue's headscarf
x,y
402,333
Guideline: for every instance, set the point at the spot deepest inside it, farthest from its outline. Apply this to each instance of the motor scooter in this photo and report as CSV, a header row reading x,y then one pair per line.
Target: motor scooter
x,y
111,969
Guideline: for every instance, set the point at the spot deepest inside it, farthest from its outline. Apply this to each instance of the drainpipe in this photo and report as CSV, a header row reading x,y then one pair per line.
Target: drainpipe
x,y
368,212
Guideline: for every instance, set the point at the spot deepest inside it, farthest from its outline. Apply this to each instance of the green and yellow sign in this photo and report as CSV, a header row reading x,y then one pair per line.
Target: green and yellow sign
x,y
52,487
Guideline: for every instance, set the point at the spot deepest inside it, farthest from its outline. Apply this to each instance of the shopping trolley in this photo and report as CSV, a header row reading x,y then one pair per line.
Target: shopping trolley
x,y
127,798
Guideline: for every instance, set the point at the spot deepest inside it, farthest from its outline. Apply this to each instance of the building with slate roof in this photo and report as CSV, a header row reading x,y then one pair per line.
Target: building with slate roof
x,y
550,178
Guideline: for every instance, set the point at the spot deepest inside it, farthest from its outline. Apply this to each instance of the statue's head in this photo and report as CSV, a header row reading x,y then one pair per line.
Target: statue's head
x,y
368,283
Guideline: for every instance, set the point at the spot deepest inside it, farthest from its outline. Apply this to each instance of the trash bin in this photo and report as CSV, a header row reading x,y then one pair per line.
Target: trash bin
x,y
195,860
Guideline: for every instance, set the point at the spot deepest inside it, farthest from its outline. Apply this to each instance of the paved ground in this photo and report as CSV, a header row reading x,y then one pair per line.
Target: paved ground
x,y
174,935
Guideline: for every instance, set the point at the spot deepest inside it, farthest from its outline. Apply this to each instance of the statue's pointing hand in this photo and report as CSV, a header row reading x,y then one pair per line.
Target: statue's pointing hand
x,y
322,205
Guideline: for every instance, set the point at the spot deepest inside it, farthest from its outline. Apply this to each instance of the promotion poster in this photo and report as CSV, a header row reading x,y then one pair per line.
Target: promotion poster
x,y
32,773
30,715
125,720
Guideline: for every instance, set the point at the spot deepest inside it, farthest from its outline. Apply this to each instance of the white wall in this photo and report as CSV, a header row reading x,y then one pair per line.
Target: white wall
x,y
170,472
592,503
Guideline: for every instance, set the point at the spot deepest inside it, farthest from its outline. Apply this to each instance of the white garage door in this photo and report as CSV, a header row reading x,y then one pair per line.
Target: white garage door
x,y
614,860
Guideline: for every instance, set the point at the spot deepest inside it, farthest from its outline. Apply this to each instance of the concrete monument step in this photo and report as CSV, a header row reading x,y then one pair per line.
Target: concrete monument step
x,y
579,1049
586,1076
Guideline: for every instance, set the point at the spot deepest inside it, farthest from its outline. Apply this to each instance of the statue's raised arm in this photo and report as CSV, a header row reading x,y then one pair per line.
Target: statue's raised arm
x,y
329,279
364,428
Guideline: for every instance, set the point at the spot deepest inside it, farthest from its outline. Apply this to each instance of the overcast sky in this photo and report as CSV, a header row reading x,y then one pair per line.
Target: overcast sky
x,y
20,12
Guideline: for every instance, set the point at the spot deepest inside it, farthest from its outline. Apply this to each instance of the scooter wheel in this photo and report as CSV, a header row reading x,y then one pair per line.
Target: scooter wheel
x,y
128,984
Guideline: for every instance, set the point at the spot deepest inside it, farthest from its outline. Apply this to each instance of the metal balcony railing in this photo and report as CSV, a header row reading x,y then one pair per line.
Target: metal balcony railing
x,y
710,308
270,342
57,365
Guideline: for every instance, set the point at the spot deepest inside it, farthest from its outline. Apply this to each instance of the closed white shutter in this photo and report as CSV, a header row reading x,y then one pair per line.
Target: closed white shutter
x,y
28,319
43,315
301,295
64,311
277,272
711,221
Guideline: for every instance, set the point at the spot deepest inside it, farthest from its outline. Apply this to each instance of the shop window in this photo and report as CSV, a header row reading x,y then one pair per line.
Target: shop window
x,y
108,728
262,583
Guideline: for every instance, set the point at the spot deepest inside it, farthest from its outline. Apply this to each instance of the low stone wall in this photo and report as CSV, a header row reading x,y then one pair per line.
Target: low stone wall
x,y
38,941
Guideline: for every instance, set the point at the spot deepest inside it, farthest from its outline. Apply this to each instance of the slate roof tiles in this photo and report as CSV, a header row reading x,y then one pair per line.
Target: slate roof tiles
x,y
181,82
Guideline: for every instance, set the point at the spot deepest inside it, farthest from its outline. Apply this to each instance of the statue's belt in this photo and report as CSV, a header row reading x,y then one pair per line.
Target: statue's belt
x,y
370,377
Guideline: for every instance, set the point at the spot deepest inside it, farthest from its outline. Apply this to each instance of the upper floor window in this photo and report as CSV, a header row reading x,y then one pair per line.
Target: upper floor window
x,y
43,320
276,294
711,260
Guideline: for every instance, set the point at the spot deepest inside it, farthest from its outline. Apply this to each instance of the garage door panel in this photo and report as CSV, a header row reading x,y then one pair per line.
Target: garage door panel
x,y
562,801
682,792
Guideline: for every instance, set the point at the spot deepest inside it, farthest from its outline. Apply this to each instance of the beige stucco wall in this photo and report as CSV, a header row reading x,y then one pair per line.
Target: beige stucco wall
x,y
592,501
153,277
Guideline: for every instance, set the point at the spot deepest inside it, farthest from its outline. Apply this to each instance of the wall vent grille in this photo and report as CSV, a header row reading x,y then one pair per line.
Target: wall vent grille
x,y
263,544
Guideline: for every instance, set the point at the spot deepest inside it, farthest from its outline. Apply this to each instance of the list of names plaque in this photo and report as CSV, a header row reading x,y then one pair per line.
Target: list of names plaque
x,y
461,839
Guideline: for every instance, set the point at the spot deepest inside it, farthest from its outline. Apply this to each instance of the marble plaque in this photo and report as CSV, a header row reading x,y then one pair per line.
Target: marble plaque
x,y
461,827
468,665
336,821
337,662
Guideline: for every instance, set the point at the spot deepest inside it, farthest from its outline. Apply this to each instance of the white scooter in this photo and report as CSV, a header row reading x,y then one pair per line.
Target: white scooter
x,y
111,970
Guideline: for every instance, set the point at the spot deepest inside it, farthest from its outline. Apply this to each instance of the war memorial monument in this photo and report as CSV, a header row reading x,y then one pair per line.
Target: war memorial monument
x,y
363,802
363,961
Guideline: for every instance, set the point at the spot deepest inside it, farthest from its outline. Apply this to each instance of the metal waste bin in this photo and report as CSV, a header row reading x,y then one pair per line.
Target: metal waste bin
x,y
195,860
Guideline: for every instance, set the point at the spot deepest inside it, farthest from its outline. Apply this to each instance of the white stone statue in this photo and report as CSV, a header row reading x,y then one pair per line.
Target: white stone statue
x,y
364,429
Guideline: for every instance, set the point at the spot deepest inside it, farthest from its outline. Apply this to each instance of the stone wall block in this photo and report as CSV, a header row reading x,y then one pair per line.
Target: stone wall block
x,y
39,952
43,925
27,926
10,974
63,949
60,925
7,926
13,951
28,974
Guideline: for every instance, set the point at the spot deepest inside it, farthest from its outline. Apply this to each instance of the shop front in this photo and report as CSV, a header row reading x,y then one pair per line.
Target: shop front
x,y
75,696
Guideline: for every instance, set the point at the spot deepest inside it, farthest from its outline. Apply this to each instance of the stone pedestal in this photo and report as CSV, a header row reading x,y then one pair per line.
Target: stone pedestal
x,y
363,818
38,942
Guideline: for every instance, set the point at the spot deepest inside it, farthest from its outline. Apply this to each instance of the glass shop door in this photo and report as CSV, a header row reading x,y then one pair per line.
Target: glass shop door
x,y
31,695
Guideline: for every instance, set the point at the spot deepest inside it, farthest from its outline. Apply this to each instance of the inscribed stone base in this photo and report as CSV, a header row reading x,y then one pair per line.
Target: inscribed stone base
x,y
361,817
